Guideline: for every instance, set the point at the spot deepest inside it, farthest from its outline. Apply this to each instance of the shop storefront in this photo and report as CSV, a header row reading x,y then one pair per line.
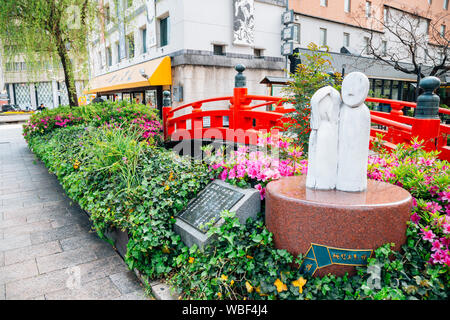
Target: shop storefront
x,y
142,83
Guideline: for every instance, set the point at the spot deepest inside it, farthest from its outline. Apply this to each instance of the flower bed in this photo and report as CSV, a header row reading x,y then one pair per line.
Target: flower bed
x,y
125,180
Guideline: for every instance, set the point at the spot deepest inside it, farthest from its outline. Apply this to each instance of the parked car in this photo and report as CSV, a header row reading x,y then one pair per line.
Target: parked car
x,y
10,107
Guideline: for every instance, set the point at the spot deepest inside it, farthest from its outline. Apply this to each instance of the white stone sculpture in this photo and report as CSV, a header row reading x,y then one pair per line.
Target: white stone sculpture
x,y
323,141
354,134
340,134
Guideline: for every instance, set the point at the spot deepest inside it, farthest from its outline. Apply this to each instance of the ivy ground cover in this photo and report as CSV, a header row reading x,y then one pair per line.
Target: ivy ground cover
x,y
109,159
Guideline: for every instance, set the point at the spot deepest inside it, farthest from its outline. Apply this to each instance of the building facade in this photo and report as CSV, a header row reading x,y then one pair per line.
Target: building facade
x,y
29,87
187,47
349,27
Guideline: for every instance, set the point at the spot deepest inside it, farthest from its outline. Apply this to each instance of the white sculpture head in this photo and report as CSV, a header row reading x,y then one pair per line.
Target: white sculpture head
x,y
324,106
355,88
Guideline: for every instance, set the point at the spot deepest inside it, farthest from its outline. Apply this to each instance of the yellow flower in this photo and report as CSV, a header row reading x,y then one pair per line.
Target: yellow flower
x,y
191,260
249,257
280,285
258,290
224,277
219,294
231,282
249,287
299,283
165,249
167,188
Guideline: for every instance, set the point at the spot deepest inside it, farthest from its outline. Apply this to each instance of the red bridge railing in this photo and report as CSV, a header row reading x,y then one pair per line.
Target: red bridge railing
x,y
238,121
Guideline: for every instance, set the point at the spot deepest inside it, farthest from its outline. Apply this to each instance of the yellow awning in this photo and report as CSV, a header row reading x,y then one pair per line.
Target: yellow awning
x,y
159,73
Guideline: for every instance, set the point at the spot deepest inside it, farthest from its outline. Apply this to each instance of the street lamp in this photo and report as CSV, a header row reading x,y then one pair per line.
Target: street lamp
x,y
343,69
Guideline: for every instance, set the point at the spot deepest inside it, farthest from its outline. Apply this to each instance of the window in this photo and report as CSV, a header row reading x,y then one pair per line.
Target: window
x,y
323,37
218,50
442,30
385,15
107,15
367,45
164,32
445,4
296,35
258,53
368,9
100,60
346,39
118,51
144,40
425,55
109,56
130,45
323,3
347,5
384,48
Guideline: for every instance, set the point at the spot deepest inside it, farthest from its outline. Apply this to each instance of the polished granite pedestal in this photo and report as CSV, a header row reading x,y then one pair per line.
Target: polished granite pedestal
x,y
342,224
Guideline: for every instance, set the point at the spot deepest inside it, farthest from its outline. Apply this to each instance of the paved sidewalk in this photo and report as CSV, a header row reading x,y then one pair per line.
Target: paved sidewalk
x,y
6,119
47,248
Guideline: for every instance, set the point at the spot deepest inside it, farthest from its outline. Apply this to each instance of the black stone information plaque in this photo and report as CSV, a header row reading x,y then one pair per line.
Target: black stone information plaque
x,y
208,206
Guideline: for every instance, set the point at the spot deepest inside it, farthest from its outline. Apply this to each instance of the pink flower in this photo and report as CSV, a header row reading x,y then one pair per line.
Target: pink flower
x,y
415,218
444,196
261,190
224,174
438,257
428,235
232,174
433,207
416,145
436,245
446,228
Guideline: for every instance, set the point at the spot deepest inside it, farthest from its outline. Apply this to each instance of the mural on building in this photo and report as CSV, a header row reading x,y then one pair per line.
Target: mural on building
x,y
151,23
243,22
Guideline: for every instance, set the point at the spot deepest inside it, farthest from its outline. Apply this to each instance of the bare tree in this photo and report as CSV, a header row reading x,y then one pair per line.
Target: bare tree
x,y
410,40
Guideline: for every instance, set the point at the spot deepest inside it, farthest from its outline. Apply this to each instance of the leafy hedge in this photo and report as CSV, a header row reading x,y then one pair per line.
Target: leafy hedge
x,y
126,181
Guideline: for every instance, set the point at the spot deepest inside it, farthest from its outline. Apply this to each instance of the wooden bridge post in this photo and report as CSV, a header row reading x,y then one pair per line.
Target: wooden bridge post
x,y
426,124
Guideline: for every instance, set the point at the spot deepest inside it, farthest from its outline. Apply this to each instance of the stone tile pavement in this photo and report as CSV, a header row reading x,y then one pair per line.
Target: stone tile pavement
x,y
47,248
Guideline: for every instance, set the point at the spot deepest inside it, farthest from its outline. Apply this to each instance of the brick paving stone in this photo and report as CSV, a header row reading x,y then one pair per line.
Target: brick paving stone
x,y
64,259
47,248
39,250
126,282
26,228
15,242
101,268
102,289
28,288
16,271
55,234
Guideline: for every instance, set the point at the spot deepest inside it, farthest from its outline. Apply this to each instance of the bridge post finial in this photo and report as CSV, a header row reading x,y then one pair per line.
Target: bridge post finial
x,y
240,80
428,102
166,99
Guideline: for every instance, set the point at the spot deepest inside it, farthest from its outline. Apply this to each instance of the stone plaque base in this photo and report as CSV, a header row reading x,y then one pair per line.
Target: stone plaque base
x,y
248,206
299,217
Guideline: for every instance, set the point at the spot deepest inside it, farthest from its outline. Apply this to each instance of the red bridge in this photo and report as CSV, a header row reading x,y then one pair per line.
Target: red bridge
x,y
239,122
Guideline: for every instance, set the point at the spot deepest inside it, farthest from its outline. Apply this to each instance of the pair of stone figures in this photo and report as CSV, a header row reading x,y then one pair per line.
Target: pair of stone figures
x,y
340,133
